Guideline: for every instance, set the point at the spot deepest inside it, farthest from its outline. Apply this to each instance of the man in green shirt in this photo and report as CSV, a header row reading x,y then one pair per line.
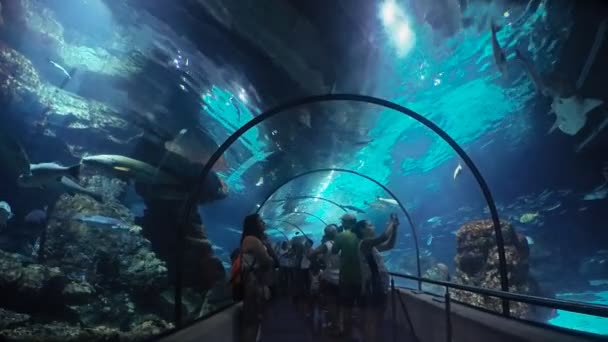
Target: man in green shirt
x,y
347,244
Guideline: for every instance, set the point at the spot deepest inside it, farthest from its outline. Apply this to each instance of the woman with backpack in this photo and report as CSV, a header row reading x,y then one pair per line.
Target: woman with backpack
x,y
252,275
375,277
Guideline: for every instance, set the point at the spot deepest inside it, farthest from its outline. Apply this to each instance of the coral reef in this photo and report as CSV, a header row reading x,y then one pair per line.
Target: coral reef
x,y
61,332
114,257
96,279
19,80
437,272
477,265
9,319
109,188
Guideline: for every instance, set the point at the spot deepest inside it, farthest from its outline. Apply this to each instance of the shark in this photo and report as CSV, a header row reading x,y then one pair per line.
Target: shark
x,y
499,54
568,105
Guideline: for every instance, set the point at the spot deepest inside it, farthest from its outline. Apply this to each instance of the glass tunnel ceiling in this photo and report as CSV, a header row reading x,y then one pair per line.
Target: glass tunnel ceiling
x,y
285,200
456,85
312,194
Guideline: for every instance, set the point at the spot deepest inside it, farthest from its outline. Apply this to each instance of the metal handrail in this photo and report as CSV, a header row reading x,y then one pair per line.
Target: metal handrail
x,y
568,305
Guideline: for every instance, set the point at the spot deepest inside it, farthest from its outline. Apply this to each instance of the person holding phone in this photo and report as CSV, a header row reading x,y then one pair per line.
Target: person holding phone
x,y
375,277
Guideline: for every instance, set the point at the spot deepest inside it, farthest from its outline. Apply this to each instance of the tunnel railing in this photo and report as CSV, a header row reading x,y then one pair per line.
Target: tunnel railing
x,y
572,306
560,304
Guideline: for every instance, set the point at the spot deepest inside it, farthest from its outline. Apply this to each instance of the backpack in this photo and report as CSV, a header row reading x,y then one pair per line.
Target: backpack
x,y
238,276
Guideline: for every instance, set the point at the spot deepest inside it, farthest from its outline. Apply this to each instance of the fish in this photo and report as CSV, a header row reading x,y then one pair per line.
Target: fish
x,y
45,173
100,220
135,169
457,171
429,240
62,69
571,113
375,205
534,76
434,219
599,193
499,55
5,213
529,240
72,187
353,208
13,157
391,201
36,216
260,181
553,207
528,217
569,107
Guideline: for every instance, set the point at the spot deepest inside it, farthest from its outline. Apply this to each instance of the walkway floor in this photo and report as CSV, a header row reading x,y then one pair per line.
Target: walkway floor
x,y
283,323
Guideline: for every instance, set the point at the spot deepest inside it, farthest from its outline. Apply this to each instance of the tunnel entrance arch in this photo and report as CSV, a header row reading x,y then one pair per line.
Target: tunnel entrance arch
x,y
190,204
382,186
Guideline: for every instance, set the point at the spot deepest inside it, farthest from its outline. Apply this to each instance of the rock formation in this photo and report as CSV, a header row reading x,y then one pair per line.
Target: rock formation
x,y
477,265
439,271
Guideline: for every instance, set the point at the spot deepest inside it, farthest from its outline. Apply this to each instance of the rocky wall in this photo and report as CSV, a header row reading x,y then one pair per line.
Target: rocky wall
x,y
477,265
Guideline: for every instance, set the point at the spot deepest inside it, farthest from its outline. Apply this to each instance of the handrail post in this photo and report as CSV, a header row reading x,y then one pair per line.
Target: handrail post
x,y
448,316
394,309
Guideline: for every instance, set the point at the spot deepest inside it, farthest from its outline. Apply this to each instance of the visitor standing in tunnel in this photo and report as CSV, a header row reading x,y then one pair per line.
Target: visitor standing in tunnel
x,y
303,279
256,268
349,285
330,275
285,256
375,277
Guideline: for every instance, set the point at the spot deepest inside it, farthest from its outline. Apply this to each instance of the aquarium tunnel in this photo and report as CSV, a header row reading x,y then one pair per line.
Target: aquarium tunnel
x,y
465,141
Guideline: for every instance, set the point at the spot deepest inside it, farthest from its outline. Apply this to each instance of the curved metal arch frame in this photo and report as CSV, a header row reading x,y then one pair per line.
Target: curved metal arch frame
x,y
190,204
311,197
382,186
307,214
291,224
280,231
